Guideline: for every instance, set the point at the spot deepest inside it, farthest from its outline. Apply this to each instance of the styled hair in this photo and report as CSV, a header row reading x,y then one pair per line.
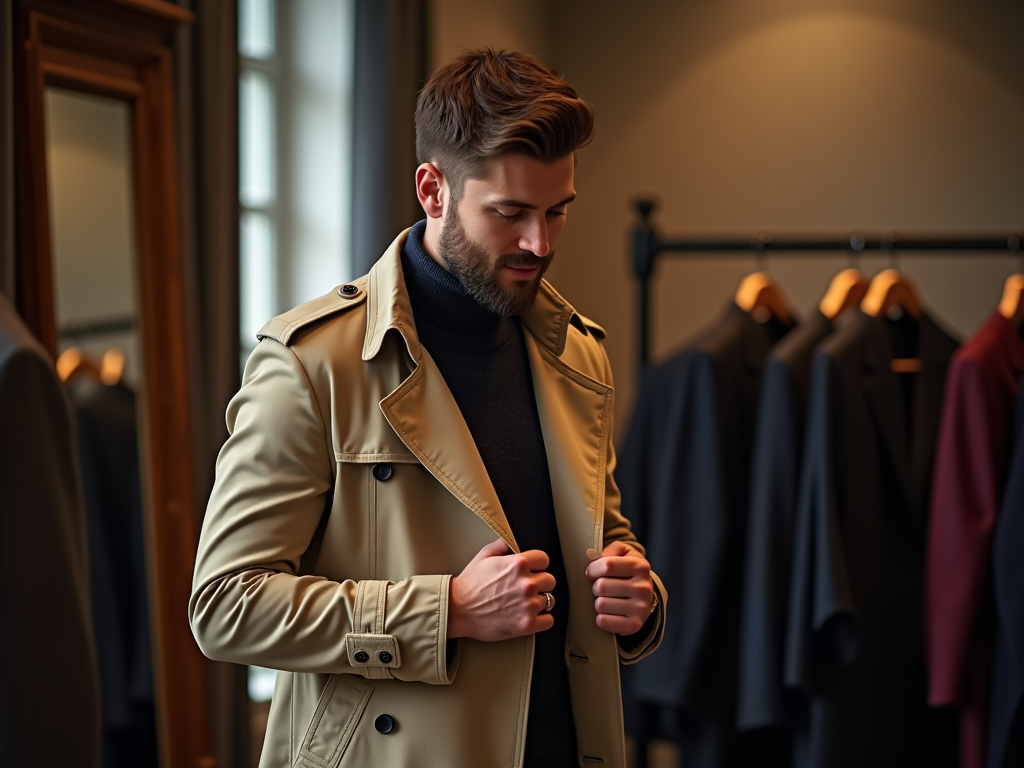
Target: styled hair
x,y
488,103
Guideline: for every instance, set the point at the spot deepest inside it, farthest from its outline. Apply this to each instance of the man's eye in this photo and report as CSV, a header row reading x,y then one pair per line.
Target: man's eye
x,y
508,216
557,212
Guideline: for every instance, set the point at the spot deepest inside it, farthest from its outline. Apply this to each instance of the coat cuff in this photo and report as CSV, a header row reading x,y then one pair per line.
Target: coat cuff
x,y
400,630
634,647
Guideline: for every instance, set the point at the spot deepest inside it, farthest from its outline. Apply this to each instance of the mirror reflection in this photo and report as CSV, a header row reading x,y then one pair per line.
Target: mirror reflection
x,y
89,163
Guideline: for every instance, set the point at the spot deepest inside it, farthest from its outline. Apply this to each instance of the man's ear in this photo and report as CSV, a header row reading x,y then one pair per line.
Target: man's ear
x,y
431,189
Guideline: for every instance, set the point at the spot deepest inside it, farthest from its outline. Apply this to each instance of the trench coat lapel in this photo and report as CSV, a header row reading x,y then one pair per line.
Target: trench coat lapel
x,y
422,410
575,419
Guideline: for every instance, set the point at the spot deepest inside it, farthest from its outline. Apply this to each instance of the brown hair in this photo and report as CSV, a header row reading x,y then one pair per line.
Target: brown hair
x,y
487,103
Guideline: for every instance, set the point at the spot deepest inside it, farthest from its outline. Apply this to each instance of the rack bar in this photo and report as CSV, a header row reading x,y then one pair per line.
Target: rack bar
x,y
648,247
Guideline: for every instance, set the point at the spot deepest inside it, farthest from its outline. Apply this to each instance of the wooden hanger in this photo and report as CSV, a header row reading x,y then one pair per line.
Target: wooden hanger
x,y
759,296
890,290
112,368
73,363
1012,305
846,290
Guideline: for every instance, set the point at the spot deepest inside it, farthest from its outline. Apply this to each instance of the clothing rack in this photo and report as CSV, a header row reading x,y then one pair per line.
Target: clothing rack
x,y
80,329
648,247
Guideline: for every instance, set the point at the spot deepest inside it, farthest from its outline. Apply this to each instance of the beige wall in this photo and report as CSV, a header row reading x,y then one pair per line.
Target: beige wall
x,y
459,24
792,116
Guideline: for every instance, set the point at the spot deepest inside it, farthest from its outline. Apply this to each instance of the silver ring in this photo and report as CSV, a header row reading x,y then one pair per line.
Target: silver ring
x,y
550,602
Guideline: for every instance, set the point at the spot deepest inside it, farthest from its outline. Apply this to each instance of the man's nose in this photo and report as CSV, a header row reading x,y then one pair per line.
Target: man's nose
x,y
535,239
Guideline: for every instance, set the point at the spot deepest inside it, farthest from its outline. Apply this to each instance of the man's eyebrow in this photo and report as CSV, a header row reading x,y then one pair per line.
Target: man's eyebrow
x,y
530,206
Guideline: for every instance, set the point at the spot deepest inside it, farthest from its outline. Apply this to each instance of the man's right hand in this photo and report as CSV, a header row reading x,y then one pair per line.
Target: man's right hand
x,y
500,595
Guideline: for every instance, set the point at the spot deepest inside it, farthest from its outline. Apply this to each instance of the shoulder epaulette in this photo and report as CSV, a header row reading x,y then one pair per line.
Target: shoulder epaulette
x,y
283,327
594,328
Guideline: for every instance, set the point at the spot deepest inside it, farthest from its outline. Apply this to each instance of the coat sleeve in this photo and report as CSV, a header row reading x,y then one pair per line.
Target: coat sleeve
x,y
775,477
969,465
251,601
821,632
617,528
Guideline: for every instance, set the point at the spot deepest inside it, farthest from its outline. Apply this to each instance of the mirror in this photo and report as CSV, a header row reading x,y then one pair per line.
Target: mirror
x,y
99,269
92,226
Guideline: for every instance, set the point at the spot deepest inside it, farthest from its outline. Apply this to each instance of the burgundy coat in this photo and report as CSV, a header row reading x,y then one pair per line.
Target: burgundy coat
x,y
970,473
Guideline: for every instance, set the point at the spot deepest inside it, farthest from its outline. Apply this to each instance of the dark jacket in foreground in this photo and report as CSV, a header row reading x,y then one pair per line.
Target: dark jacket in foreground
x,y
47,655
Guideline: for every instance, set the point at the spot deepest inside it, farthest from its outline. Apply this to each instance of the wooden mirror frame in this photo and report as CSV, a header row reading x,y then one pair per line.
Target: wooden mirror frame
x,y
119,49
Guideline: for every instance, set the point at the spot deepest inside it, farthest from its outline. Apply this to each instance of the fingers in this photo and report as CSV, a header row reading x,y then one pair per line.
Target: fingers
x,y
619,549
495,548
619,625
619,567
535,559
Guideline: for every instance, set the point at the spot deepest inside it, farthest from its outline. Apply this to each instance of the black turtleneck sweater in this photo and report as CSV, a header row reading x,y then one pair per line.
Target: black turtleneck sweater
x,y
482,357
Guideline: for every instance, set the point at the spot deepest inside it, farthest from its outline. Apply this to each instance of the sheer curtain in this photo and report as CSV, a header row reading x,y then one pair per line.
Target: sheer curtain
x,y
391,67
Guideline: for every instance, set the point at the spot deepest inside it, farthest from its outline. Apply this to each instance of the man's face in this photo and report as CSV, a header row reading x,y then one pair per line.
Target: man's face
x,y
499,239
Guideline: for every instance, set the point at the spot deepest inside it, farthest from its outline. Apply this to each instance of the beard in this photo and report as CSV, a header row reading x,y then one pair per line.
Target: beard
x,y
473,268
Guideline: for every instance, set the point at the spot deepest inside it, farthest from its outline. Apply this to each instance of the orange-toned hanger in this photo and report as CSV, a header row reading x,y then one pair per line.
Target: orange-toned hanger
x,y
846,290
759,296
1012,305
889,290
112,367
73,363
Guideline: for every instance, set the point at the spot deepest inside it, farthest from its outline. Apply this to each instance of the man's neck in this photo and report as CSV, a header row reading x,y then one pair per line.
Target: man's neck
x,y
431,237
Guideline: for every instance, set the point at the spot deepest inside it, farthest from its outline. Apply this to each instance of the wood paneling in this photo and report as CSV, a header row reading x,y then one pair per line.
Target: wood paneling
x,y
117,48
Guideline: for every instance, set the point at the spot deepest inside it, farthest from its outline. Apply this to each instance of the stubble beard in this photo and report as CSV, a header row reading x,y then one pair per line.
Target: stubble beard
x,y
473,268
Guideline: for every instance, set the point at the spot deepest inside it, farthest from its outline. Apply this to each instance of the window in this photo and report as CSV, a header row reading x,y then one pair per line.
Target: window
x,y
295,114
295,155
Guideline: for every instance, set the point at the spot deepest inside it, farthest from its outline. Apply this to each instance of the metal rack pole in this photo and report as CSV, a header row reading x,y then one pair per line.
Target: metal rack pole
x,y
648,247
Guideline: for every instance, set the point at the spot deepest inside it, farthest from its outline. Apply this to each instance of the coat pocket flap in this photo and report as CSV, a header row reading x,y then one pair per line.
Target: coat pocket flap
x,y
337,714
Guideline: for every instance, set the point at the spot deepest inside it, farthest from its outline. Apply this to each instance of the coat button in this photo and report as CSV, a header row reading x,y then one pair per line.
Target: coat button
x,y
348,291
384,723
361,657
385,657
382,471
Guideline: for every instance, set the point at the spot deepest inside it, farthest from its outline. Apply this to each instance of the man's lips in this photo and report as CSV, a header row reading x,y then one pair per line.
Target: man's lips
x,y
524,272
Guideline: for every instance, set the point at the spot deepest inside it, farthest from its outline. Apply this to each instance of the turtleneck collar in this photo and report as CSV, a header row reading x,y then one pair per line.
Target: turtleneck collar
x,y
439,299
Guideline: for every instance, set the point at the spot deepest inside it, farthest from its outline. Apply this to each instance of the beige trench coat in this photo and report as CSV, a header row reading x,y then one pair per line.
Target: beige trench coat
x,y
348,493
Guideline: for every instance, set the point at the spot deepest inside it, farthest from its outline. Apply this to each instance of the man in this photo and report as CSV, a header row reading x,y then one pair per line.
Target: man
x,y
414,517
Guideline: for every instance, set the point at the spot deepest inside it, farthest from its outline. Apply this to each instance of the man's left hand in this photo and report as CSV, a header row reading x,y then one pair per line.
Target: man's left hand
x,y
623,587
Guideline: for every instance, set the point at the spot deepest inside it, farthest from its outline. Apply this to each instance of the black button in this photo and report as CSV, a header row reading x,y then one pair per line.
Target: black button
x,y
348,290
361,657
384,724
385,657
382,471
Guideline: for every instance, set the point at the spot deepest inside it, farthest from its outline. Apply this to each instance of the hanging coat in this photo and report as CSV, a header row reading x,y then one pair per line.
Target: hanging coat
x,y
854,637
684,476
1006,718
971,465
775,476
47,652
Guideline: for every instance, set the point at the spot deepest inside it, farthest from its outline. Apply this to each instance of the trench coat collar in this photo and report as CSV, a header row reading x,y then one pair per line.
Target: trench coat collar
x,y
388,307
425,416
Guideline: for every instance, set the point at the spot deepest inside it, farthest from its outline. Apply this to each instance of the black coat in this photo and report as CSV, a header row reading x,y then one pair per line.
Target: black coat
x,y
49,685
775,478
684,474
854,638
1006,718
